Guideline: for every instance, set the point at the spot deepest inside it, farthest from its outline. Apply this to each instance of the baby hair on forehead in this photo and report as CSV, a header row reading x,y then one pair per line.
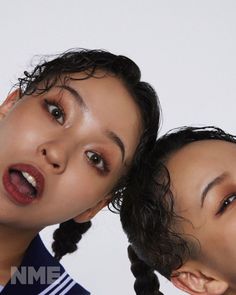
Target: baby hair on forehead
x,y
50,71
148,216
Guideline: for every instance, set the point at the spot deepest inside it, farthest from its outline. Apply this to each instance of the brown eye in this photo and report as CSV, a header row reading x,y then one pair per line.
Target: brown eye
x,y
97,161
227,202
56,111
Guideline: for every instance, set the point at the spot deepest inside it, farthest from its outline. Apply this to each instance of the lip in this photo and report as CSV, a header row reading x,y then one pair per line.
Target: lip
x,y
13,193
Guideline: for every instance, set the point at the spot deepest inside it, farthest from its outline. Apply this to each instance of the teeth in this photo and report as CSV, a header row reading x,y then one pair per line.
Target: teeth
x,y
29,178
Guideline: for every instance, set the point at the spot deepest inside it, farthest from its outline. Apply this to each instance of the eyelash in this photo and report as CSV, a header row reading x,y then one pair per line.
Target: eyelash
x,y
57,106
226,202
105,167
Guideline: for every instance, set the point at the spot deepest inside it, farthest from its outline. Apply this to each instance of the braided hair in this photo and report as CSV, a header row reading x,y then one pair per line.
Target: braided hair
x,y
49,71
67,236
148,217
146,281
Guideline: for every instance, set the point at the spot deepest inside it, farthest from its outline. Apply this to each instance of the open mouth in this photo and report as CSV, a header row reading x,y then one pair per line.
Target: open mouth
x,y
24,183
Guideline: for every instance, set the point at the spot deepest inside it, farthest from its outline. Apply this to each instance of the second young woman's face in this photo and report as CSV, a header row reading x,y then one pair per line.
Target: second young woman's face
x,y
65,150
203,182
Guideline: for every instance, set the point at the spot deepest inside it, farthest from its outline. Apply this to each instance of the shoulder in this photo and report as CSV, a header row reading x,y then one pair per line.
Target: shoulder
x,y
40,273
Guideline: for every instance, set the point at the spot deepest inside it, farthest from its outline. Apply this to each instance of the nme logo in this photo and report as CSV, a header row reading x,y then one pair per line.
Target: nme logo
x,y
28,275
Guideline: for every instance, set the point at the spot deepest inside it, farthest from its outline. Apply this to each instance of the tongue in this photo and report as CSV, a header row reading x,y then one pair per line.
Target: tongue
x,y
21,183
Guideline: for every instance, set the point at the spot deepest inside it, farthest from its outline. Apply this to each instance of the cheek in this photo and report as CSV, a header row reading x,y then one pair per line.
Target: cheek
x,y
81,187
82,184
218,240
227,232
22,129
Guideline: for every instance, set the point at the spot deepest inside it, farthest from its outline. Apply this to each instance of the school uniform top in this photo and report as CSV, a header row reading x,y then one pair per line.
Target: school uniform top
x,y
41,274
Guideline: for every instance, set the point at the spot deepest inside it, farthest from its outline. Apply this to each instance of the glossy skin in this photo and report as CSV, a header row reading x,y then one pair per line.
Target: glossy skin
x,y
71,134
192,169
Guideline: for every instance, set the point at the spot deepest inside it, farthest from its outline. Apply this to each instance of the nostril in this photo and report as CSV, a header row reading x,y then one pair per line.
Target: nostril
x,y
44,152
56,166
52,157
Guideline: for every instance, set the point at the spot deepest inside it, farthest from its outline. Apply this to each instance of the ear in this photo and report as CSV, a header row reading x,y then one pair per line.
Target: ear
x,y
194,282
8,103
91,212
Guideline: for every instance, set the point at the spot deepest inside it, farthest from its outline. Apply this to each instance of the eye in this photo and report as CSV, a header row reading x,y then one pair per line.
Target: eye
x,y
226,203
56,111
97,161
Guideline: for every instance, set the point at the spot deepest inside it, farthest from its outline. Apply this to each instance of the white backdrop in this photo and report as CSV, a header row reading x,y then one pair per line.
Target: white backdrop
x,y
186,49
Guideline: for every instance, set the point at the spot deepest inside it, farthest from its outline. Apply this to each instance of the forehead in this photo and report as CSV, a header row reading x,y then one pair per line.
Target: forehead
x,y
198,163
107,97
198,155
102,86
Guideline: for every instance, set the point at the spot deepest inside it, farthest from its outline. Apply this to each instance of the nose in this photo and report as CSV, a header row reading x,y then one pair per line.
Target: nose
x,y
54,154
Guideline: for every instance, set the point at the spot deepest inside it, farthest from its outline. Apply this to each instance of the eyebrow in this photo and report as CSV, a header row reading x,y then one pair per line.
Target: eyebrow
x,y
216,181
110,134
76,95
116,139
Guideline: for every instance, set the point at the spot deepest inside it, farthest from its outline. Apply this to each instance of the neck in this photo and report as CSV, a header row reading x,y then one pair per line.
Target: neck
x,y
13,244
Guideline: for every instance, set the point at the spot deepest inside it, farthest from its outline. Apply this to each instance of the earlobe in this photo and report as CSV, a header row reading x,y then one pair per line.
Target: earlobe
x,y
8,103
216,287
91,212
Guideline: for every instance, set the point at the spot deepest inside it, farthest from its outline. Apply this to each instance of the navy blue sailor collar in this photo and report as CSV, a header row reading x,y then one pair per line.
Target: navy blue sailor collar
x,y
41,274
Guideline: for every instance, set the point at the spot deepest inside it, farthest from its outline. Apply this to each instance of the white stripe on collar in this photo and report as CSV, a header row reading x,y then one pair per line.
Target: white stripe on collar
x,y
53,284
61,286
68,288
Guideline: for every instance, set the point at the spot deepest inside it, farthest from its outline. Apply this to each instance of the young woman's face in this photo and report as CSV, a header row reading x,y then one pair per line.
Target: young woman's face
x,y
203,182
76,141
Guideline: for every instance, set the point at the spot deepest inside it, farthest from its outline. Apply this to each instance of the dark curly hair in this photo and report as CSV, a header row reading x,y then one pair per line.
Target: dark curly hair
x,y
49,71
148,217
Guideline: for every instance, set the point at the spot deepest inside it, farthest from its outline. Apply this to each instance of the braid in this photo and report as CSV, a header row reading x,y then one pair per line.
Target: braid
x,y
146,282
67,236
